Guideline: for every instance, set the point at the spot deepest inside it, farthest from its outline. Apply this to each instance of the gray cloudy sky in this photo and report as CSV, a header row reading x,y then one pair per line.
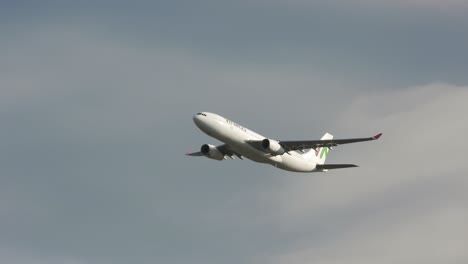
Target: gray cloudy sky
x,y
96,101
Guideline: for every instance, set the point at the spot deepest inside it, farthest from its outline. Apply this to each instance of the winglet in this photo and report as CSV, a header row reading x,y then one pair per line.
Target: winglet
x,y
377,136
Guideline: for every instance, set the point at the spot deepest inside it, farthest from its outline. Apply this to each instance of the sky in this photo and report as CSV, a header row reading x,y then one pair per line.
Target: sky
x,y
96,106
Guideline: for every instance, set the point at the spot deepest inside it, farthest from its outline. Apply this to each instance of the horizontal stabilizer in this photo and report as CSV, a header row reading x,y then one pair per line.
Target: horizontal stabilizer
x,y
324,167
188,153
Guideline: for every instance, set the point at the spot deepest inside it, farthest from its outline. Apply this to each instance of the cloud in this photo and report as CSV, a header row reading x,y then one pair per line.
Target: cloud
x,y
96,83
404,204
94,131
431,236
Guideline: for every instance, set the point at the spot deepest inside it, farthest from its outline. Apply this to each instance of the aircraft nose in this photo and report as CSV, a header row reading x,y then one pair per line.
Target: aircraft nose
x,y
197,119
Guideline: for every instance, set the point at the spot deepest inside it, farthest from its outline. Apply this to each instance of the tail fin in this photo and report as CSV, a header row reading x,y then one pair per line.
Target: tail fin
x,y
320,154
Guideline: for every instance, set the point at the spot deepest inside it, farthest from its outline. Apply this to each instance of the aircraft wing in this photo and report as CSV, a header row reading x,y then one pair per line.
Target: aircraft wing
x,y
308,144
225,149
314,144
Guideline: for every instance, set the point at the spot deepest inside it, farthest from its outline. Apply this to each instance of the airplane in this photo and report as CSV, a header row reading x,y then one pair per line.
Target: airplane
x,y
240,142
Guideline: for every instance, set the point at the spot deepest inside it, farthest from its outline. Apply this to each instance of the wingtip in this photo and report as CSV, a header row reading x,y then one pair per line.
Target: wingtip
x,y
188,153
378,136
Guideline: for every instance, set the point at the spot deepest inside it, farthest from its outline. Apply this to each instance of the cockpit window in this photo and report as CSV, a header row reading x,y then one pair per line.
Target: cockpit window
x,y
201,114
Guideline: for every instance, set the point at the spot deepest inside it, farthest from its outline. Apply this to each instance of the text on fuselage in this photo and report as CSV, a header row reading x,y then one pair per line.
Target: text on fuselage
x,y
236,125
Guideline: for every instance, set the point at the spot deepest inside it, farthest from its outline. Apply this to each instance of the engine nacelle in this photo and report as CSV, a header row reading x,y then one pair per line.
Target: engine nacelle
x,y
211,152
272,147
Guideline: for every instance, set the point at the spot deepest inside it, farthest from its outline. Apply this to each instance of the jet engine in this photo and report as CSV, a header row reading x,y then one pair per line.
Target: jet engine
x,y
211,152
273,147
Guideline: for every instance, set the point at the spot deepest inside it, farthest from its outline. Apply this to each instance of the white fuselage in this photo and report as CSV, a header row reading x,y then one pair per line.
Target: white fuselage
x,y
236,136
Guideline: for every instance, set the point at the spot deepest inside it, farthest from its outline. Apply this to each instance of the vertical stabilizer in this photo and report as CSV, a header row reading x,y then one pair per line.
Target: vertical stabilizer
x,y
320,154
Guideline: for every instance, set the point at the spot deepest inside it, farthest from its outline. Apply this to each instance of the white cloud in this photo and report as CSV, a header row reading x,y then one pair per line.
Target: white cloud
x,y
406,203
433,236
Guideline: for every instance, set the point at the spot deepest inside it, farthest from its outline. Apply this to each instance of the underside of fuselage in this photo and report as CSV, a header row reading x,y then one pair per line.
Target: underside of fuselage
x,y
289,162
